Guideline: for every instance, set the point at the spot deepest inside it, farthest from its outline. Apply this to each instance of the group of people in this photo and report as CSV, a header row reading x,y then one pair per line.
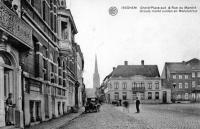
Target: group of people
x,y
137,103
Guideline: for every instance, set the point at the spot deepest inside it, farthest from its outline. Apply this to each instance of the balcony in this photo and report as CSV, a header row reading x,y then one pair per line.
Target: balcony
x,y
138,89
15,27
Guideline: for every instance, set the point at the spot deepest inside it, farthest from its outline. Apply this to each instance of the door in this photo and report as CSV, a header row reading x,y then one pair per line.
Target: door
x,y
164,96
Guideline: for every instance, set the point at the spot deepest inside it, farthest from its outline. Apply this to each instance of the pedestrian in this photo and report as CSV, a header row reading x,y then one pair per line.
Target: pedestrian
x,y
126,106
9,110
138,105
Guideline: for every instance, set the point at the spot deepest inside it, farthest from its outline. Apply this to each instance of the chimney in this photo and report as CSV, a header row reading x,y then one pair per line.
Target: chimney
x,y
125,62
142,62
113,68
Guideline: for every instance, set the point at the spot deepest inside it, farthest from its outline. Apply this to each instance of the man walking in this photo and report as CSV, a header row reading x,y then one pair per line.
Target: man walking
x,y
137,105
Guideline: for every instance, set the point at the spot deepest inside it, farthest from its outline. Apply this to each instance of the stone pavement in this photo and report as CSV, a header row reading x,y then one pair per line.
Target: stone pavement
x,y
54,123
167,116
107,118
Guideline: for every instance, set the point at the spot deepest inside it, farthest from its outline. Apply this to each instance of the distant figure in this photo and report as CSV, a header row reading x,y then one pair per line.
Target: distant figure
x,y
126,105
120,102
137,105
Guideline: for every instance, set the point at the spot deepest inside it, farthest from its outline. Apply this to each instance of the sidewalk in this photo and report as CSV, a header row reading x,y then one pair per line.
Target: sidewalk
x,y
54,123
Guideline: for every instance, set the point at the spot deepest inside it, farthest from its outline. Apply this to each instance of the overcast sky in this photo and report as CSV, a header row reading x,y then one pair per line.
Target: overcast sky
x,y
155,38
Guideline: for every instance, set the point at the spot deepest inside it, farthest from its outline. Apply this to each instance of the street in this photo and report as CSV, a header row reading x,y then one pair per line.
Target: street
x,y
171,116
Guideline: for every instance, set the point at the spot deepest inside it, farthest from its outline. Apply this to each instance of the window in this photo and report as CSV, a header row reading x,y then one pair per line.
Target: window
x,y
186,76
186,96
150,85
124,95
178,96
193,74
43,10
198,74
180,85
142,84
186,85
116,96
193,84
149,95
180,76
124,85
157,85
174,76
193,95
116,84
157,95
135,85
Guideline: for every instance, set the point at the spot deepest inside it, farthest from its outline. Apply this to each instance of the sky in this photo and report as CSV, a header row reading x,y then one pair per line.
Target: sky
x,y
133,36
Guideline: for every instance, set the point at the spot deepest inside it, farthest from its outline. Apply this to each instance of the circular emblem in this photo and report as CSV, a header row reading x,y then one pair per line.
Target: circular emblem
x,y
113,11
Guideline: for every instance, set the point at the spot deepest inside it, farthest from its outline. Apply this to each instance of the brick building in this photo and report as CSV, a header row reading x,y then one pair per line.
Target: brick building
x,y
183,78
38,60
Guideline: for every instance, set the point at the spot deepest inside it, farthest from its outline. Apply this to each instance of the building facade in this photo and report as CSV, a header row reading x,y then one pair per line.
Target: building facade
x,y
38,60
129,82
183,80
80,69
16,43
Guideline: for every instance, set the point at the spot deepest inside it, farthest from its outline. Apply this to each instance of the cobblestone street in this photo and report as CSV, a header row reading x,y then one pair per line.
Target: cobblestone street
x,y
171,116
107,118
168,116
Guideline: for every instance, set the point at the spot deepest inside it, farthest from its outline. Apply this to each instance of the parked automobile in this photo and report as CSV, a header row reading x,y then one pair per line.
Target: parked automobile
x,y
92,105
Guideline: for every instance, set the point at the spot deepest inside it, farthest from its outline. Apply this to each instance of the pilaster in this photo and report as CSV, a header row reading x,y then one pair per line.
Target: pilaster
x,y
2,107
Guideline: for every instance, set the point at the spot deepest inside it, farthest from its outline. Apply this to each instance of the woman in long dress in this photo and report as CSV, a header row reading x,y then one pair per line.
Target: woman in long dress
x,y
9,110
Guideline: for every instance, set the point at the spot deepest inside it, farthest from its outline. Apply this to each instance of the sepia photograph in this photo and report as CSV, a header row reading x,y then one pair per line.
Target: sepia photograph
x,y
99,64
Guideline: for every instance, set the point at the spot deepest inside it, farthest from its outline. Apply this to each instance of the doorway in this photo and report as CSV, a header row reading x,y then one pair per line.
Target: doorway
x,y
164,96
7,114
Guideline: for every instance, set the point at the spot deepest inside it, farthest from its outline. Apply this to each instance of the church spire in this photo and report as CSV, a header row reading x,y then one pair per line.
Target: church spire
x,y
96,78
96,65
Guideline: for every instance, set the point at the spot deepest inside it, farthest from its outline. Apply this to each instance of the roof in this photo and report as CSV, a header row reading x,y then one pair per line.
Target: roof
x,y
132,70
178,67
193,64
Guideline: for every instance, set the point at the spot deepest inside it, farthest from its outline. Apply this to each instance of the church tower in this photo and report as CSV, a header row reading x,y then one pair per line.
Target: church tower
x,y
96,78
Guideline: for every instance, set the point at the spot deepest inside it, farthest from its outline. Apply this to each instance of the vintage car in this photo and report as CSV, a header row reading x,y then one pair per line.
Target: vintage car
x,y
92,105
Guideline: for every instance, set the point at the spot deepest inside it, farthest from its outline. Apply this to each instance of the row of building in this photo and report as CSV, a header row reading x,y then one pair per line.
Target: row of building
x,y
179,82
41,65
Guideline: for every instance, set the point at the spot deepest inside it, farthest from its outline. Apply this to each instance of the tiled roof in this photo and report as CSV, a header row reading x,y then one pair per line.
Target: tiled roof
x,y
178,67
132,70
192,64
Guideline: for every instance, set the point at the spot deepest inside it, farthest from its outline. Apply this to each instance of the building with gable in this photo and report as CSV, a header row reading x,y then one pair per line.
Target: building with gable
x,y
130,81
